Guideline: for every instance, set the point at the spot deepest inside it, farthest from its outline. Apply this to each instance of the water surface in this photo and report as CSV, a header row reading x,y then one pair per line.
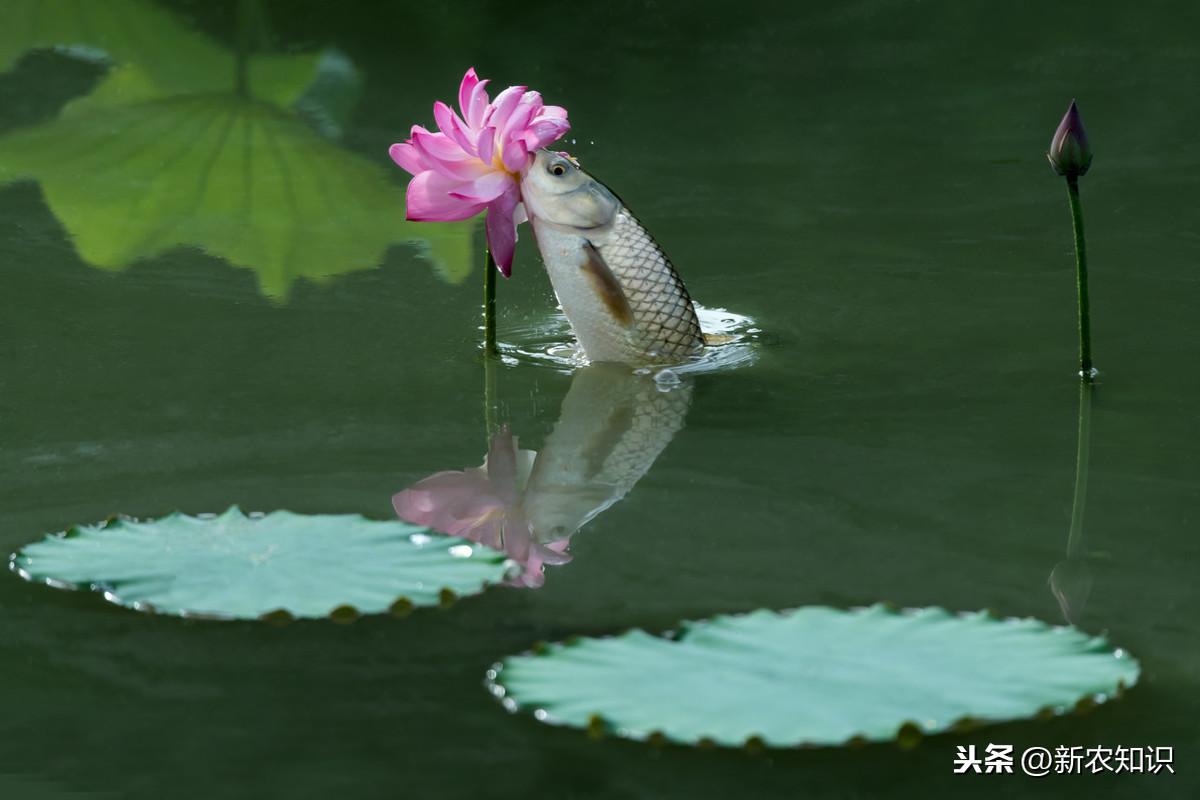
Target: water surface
x,y
866,181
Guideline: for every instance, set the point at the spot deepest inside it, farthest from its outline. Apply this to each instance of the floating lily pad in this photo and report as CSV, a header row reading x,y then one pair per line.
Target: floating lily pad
x,y
235,566
814,676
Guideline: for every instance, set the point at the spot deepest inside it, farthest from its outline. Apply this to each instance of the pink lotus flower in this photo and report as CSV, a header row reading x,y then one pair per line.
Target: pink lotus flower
x,y
485,504
474,161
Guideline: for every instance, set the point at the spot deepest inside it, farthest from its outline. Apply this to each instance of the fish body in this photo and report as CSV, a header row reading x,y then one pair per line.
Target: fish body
x,y
617,288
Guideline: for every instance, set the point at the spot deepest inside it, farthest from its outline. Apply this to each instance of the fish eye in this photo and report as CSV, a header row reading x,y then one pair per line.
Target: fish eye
x,y
558,169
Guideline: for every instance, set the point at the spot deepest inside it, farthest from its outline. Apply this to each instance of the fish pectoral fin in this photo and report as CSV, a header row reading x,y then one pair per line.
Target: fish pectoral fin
x,y
607,287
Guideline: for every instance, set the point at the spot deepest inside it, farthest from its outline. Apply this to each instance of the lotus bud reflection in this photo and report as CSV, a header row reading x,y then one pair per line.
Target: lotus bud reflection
x,y
1070,153
1071,584
1071,580
612,426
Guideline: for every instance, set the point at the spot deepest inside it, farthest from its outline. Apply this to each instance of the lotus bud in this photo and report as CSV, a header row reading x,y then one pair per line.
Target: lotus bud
x,y
1070,154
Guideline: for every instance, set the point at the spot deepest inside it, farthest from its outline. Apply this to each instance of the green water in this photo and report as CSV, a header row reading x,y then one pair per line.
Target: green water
x,y
866,181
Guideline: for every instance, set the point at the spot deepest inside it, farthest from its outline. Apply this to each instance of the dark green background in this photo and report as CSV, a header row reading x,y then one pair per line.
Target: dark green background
x,y
866,180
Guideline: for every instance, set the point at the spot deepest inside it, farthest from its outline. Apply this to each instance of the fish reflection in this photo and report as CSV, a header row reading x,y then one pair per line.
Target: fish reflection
x,y
612,426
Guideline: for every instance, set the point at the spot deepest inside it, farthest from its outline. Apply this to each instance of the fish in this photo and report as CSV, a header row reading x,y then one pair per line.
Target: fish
x,y
619,291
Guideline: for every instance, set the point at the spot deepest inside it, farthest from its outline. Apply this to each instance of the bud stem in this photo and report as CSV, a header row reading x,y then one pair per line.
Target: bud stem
x,y
1081,280
489,305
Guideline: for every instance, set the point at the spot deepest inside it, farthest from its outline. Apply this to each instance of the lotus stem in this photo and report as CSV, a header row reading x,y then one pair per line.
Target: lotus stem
x,y
1082,458
1086,371
490,351
489,306
490,416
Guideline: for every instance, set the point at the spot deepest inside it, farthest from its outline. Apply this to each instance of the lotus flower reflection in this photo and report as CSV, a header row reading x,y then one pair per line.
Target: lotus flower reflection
x,y
474,161
486,504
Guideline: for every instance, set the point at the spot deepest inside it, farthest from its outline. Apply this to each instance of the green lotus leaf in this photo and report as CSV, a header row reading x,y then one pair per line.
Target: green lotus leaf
x,y
237,178
170,59
235,566
814,676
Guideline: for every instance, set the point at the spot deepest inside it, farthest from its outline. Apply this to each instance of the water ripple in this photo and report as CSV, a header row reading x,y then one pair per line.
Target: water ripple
x,y
548,341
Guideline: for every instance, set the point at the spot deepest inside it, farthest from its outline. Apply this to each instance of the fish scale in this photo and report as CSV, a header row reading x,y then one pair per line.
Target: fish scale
x,y
613,425
664,320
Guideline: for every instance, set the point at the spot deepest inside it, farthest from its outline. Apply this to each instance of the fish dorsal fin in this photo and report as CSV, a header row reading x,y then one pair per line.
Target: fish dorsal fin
x,y
607,287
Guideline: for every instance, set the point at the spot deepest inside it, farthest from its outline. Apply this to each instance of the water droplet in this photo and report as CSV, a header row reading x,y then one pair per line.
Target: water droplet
x,y
461,551
420,539
540,715
667,377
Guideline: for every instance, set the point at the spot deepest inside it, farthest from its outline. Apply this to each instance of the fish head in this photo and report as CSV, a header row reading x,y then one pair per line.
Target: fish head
x,y
555,512
555,190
